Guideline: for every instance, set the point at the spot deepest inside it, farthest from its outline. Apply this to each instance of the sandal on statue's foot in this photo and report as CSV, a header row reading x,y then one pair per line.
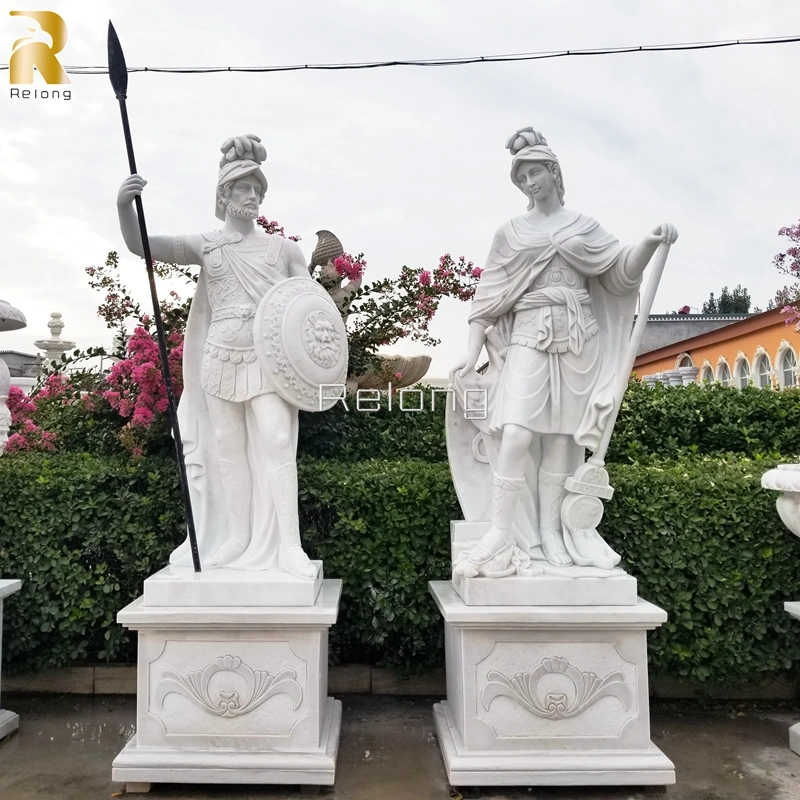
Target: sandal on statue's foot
x,y
480,561
292,559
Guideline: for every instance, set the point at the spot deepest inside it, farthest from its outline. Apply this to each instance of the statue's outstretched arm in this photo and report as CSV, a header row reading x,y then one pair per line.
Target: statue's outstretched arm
x,y
162,248
642,253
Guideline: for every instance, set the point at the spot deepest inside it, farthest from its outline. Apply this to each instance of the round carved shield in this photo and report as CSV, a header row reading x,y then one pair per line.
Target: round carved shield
x,y
301,344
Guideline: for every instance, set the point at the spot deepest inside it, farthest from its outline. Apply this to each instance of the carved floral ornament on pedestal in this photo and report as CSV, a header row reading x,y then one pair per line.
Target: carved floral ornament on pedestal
x,y
260,686
589,688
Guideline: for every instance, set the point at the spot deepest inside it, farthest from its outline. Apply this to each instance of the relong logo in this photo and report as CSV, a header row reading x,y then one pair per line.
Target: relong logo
x,y
36,51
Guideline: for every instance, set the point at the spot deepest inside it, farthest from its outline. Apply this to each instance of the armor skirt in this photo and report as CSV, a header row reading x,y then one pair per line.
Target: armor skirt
x,y
232,373
546,392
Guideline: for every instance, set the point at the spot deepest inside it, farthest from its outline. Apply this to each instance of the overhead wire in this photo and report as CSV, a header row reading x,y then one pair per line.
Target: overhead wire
x,y
450,62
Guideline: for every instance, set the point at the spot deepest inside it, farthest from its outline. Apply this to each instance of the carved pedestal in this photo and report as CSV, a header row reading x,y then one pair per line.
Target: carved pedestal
x,y
547,695
793,608
232,694
9,721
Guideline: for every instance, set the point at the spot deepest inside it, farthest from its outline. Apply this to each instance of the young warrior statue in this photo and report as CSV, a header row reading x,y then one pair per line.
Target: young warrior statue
x,y
239,436
554,308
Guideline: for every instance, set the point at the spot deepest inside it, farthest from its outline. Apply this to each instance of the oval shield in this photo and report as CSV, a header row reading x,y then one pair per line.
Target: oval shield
x,y
301,344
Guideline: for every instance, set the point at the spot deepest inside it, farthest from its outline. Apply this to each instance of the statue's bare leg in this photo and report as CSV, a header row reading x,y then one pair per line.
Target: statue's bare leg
x,y
492,554
275,421
556,467
228,421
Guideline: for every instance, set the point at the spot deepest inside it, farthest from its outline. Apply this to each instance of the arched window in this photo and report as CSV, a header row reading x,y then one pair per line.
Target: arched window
x,y
707,375
724,373
762,371
742,372
787,361
684,360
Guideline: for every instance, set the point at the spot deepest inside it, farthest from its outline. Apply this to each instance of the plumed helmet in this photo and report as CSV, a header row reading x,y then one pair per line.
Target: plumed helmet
x,y
241,156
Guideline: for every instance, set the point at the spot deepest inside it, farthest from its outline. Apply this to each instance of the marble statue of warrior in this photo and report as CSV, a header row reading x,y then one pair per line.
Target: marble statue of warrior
x,y
554,308
239,436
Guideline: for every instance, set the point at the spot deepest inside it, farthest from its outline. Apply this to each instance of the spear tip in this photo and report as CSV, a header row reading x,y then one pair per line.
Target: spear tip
x,y
117,69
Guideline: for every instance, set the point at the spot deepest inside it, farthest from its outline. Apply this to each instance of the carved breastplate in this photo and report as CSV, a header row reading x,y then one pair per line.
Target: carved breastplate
x,y
232,308
558,274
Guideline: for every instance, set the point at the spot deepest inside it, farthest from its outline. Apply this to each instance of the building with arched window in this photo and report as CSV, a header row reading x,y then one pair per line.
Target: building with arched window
x,y
759,350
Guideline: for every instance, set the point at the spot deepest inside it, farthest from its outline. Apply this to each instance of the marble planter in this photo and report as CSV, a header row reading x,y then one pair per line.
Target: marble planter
x,y
786,480
9,721
231,694
547,695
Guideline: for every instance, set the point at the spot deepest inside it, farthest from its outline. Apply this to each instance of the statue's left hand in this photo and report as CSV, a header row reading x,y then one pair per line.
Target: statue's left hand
x,y
663,234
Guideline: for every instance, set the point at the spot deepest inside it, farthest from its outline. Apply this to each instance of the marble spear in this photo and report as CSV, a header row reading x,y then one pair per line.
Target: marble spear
x,y
118,73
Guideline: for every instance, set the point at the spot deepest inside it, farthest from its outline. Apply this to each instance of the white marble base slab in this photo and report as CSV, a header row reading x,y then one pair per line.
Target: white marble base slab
x,y
547,768
543,585
233,694
137,765
564,589
182,586
9,722
547,695
793,608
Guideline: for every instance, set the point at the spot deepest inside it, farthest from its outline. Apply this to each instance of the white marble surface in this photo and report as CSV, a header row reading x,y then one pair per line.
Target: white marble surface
x,y
261,337
554,310
182,587
547,695
619,589
9,721
233,694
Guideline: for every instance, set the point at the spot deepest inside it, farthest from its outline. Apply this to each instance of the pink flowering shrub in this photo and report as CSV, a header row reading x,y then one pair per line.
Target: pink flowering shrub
x,y
391,309
36,419
137,390
26,434
788,262
127,407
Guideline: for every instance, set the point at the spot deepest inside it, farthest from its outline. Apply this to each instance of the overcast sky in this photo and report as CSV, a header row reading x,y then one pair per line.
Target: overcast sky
x,y
407,163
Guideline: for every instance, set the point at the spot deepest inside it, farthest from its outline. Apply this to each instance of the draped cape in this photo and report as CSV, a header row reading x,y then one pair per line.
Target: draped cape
x,y
520,252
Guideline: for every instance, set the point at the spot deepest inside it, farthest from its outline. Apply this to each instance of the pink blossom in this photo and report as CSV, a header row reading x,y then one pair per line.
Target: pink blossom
x,y
476,272
398,376
425,277
349,267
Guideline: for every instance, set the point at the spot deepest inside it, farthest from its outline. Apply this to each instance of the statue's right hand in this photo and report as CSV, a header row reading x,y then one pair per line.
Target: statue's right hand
x,y
465,365
132,186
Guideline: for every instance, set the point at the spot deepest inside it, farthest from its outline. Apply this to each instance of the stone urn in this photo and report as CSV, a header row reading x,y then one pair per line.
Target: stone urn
x,y
786,480
411,369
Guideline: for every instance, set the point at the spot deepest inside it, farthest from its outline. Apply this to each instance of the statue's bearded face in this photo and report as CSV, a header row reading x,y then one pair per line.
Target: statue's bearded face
x,y
242,197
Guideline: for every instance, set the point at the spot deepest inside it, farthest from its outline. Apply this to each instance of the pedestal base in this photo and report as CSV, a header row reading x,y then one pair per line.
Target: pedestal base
x,y
137,765
793,607
547,695
543,768
232,694
9,722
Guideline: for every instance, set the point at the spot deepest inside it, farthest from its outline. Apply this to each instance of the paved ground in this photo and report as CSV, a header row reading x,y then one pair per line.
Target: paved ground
x,y
65,746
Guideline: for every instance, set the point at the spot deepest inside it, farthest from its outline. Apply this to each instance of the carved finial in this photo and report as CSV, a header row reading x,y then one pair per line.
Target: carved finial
x,y
328,248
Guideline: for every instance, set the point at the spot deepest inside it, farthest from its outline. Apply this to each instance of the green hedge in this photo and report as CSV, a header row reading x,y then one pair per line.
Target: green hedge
x,y
663,421
709,420
701,536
